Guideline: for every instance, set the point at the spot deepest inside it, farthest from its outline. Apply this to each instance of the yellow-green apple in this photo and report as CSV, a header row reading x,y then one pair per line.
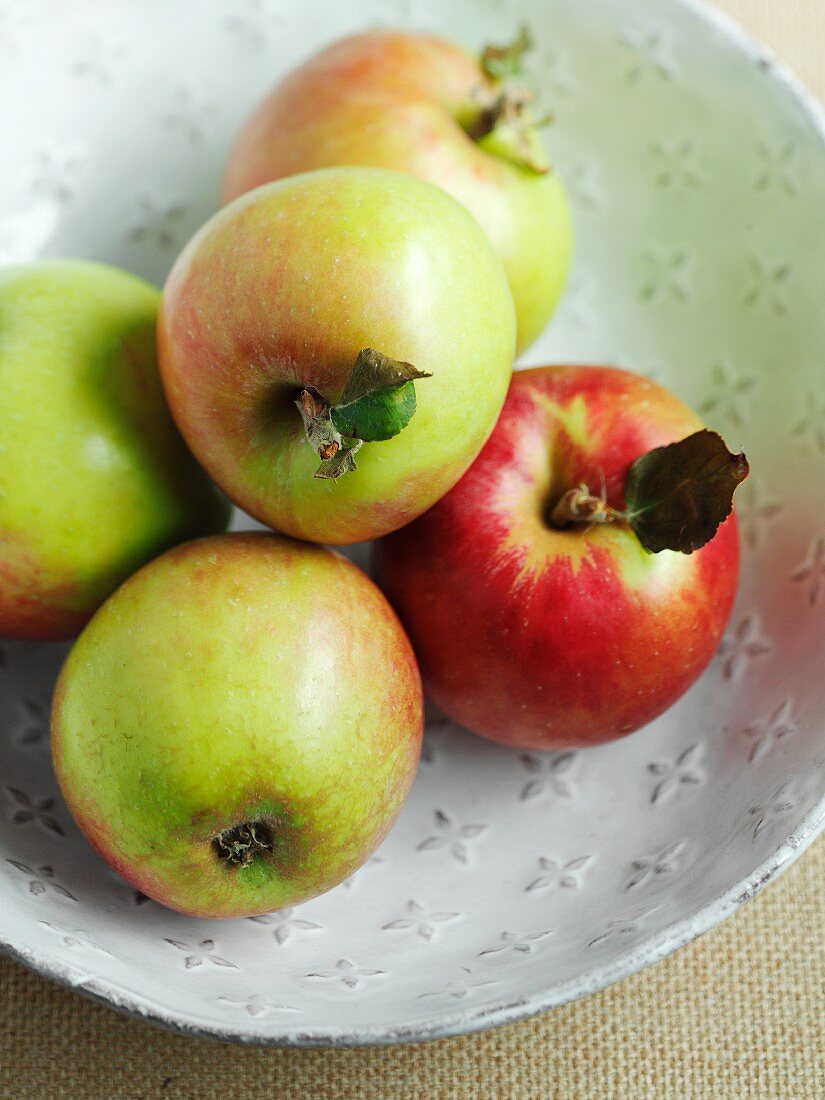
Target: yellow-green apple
x,y
238,726
319,291
419,104
545,633
94,477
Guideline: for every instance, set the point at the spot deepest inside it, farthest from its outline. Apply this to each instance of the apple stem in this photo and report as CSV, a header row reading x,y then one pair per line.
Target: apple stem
x,y
505,103
580,506
677,495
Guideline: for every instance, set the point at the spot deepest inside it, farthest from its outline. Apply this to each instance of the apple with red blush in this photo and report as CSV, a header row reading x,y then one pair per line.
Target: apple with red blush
x,y
422,105
578,578
238,726
316,338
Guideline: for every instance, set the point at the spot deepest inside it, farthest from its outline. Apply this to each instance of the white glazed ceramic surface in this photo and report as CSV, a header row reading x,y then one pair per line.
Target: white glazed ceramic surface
x,y
512,881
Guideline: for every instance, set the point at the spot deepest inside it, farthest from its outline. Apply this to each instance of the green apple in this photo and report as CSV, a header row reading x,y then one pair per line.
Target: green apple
x,y
238,726
420,104
94,477
283,294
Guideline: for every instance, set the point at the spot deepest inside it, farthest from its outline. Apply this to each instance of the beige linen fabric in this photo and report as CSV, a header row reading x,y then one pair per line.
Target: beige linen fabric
x,y
737,1014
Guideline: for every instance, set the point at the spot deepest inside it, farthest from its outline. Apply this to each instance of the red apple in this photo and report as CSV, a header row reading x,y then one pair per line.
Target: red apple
x,y
547,638
421,105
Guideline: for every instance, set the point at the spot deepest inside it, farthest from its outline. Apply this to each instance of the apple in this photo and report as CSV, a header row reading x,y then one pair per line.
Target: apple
x,y
284,296
419,104
94,477
238,726
543,634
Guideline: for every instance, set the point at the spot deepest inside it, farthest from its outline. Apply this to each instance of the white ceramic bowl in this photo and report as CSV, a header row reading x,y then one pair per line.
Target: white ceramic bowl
x,y
513,882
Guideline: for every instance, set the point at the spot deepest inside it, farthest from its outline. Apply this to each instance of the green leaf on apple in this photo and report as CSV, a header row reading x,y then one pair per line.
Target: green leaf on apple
x,y
378,401
499,63
376,416
374,371
379,398
678,495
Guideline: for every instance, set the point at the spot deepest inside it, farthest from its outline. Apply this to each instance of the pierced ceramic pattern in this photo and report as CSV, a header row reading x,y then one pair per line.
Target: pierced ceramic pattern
x,y
512,881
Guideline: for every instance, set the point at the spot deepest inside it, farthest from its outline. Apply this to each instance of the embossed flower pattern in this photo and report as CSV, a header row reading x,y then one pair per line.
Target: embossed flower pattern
x,y
622,927
665,862
199,953
554,873
34,722
768,286
550,774
769,731
756,509
743,645
727,401
284,924
667,276
75,938
41,879
458,990
38,810
649,54
776,167
766,814
522,943
157,221
189,114
683,771
453,837
420,920
346,973
56,171
678,165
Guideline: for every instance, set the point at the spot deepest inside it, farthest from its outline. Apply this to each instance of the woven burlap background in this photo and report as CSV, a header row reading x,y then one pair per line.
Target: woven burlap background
x,y
738,1014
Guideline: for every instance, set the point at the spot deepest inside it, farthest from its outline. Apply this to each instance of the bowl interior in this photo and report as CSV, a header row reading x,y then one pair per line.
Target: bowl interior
x,y
512,881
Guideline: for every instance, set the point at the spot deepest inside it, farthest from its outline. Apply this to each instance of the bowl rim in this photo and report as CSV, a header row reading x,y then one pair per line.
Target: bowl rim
x,y
663,943
657,947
